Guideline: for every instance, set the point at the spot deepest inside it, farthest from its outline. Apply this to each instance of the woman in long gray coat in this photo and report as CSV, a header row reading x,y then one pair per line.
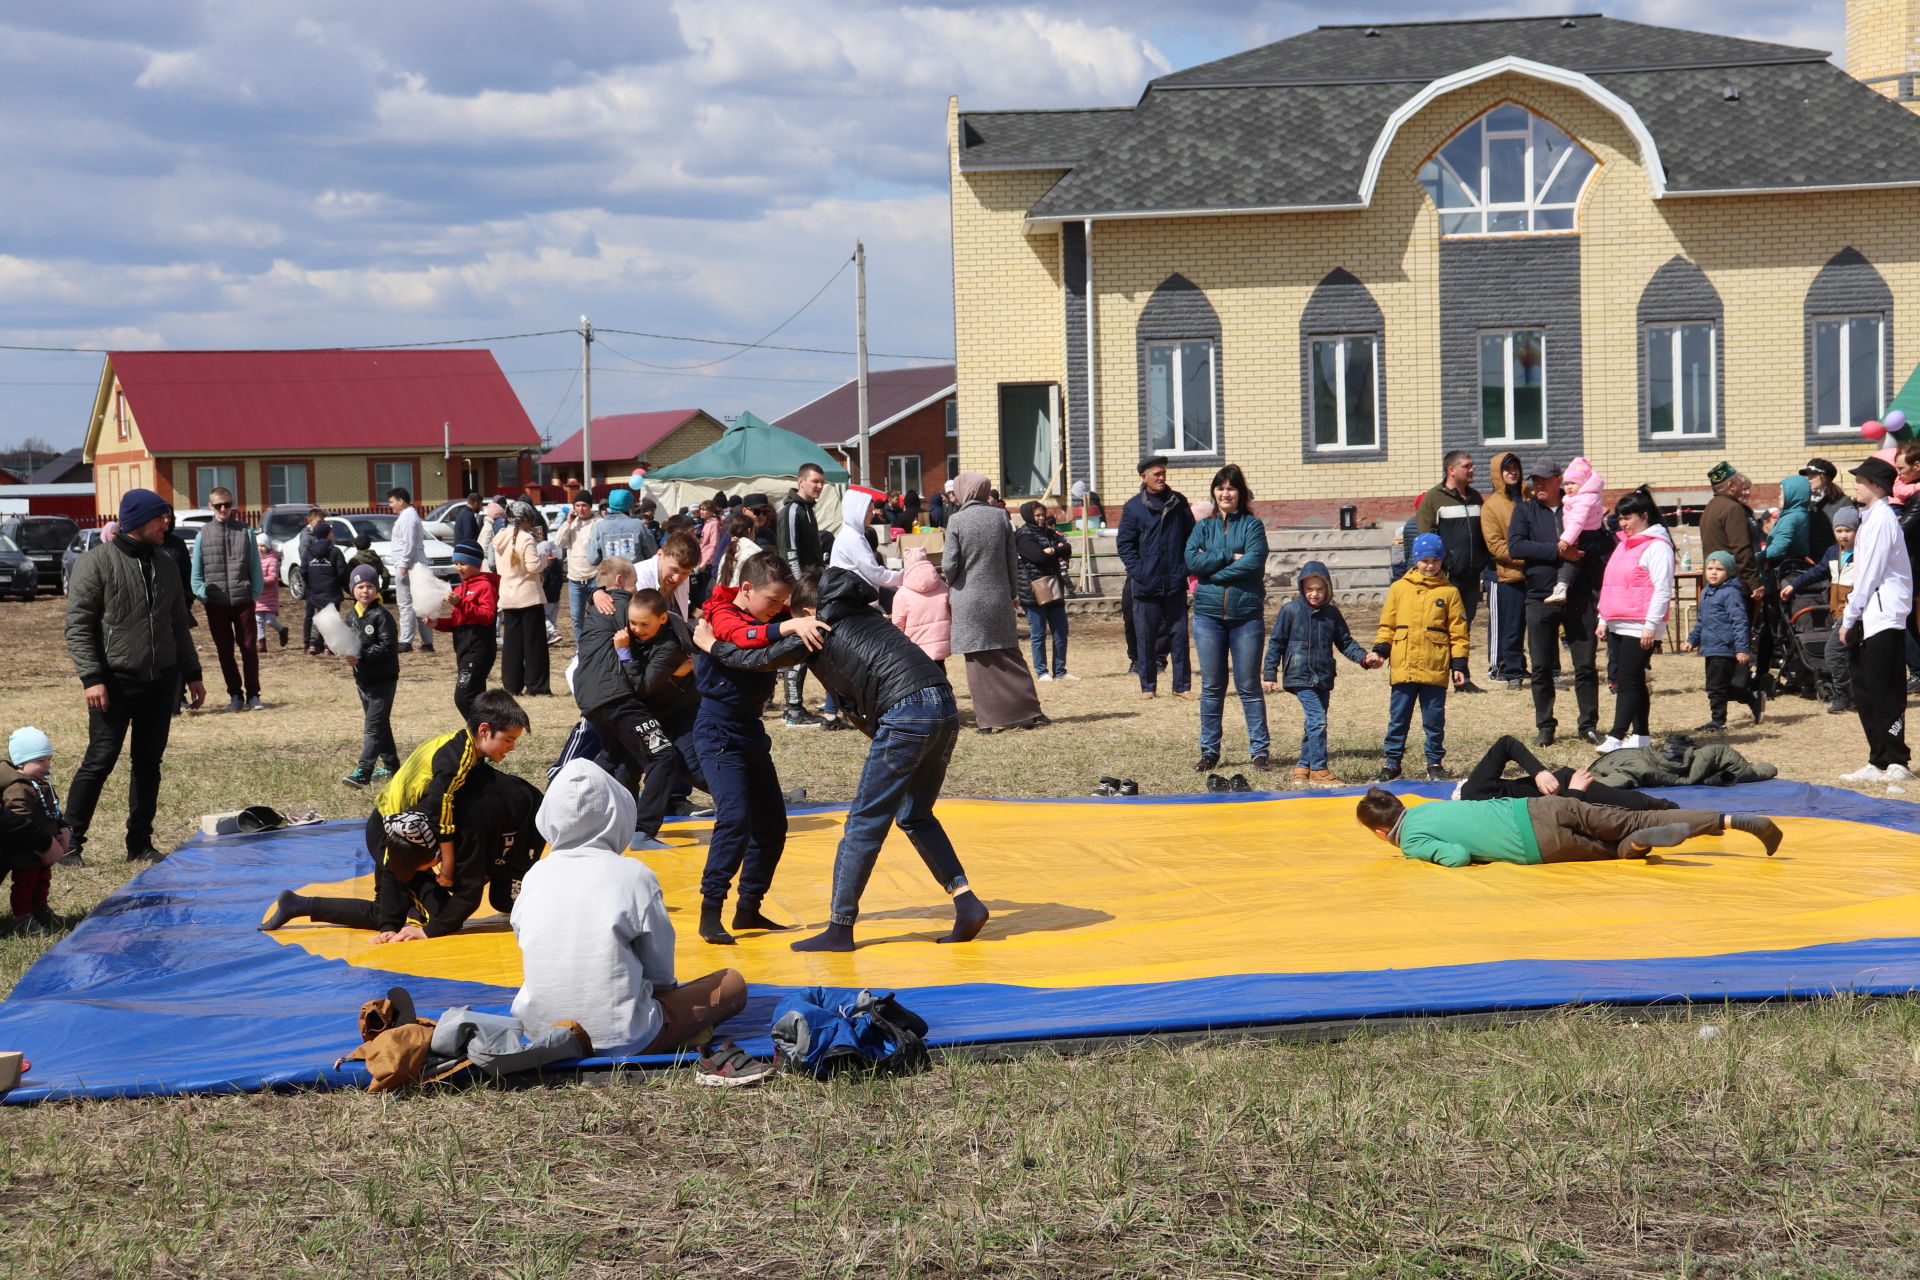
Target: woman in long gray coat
x,y
978,563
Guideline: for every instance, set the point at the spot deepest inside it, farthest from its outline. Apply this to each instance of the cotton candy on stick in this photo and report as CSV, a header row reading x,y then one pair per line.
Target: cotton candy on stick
x,y
429,592
340,636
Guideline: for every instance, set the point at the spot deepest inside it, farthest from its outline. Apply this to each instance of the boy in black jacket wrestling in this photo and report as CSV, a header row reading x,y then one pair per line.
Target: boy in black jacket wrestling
x,y
891,691
376,674
438,834
655,653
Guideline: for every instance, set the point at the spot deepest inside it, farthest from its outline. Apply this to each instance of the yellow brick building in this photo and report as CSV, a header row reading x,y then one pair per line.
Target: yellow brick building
x,y
1334,258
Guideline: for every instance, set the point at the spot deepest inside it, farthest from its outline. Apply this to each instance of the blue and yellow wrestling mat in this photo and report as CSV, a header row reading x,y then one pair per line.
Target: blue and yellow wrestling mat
x,y
1110,917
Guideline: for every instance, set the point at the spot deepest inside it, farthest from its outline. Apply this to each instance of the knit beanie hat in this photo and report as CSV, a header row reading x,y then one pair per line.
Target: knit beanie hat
x,y
139,506
620,500
1725,560
468,553
1428,544
363,573
28,743
1846,518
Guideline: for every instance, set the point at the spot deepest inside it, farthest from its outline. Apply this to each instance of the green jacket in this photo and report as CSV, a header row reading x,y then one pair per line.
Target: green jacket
x,y
1229,589
1453,833
127,616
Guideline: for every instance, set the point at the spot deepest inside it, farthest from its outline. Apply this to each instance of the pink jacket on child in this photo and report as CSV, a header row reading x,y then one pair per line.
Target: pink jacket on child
x,y
269,598
1584,505
922,607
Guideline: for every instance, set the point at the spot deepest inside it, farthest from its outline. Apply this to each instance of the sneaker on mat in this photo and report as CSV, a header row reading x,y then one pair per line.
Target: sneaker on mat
x,y
1609,744
1217,783
1438,773
1388,773
731,1067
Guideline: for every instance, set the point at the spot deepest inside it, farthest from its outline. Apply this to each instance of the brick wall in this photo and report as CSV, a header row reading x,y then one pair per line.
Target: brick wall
x,y
1760,253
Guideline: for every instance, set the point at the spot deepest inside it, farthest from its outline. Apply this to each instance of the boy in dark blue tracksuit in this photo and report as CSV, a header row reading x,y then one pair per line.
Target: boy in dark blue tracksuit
x,y
749,810
1308,631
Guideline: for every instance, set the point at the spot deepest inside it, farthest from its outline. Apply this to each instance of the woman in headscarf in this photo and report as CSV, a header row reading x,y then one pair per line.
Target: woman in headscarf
x,y
1043,556
523,647
979,564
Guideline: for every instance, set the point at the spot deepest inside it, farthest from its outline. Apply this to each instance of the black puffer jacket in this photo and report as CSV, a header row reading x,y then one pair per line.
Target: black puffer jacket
x,y
325,572
650,670
1039,551
596,677
127,614
867,663
379,645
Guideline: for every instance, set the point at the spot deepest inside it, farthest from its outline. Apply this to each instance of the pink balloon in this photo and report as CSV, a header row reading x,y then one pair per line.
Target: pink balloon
x,y
1873,430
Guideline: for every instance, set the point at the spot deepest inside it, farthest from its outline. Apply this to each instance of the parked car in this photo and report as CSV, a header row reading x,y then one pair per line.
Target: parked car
x,y
44,540
18,574
345,530
83,542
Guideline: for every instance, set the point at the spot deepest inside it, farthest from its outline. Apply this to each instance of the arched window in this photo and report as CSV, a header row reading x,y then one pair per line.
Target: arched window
x,y
1508,173
1180,397
1341,334
1849,338
1680,385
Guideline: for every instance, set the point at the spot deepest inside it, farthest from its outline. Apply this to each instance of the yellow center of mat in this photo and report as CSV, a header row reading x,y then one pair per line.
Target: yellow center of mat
x,y
1090,894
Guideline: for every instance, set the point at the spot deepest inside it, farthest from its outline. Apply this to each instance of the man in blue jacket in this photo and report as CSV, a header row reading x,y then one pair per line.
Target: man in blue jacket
x,y
1153,546
1533,538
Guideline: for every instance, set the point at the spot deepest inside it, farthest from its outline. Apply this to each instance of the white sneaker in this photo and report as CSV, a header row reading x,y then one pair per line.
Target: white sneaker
x,y
1043,677
1866,773
1068,675
1611,743
1558,595
1635,742
1898,773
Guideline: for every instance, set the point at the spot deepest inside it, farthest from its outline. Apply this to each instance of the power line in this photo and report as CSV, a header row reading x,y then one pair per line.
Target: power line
x,y
767,346
746,347
717,377
381,346
566,398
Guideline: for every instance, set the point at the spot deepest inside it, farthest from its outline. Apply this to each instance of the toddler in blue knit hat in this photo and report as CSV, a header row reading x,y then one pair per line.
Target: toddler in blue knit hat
x,y
33,833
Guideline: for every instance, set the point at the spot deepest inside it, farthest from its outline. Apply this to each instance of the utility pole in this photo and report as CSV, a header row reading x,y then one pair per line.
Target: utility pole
x,y
586,403
860,334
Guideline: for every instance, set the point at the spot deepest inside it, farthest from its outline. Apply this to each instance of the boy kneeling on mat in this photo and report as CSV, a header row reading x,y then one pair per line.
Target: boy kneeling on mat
x,y
435,833
898,696
1453,833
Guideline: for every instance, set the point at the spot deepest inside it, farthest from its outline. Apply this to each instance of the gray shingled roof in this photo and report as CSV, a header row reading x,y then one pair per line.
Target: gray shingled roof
x,y
1290,125
1035,139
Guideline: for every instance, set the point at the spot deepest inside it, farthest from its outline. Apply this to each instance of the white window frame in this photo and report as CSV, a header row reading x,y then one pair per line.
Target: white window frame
x,y
1681,430
1506,373
203,492
1177,396
897,483
286,469
1340,391
1845,321
381,488
1478,188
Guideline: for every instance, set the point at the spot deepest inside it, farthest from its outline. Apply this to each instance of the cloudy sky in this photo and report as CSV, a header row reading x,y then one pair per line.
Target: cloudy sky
x,y
255,173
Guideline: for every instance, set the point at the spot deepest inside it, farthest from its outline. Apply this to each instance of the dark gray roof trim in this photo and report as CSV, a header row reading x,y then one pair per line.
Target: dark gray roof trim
x,y
1035,139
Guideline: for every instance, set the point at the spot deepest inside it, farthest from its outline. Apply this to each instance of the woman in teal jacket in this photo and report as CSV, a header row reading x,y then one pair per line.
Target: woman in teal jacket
x,y
1789,546
1227,553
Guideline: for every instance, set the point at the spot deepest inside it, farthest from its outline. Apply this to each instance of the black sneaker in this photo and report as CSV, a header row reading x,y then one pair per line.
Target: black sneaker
x,y
1516,684
1037,722
1839,707
254,703
1239,783
74,859
1544,738
1388,773
1438,773
148,854
1593,737
731,1067
800,718
1758,706
829,724
1263,763
358,779
1712,726
1468,687
1129,788
1206,763
236,703
1217,783
406,646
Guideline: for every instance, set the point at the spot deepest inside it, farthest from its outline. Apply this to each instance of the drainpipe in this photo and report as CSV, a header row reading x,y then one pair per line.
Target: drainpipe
x,y
1093,413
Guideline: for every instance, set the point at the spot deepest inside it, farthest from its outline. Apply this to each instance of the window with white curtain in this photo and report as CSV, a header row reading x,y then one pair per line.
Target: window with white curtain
x,y
1849,371
1180,398
1346,392
1683,380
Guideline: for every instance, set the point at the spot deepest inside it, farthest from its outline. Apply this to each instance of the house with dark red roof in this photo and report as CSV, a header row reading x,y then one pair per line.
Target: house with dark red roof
x,y
336,429
622,441
911,416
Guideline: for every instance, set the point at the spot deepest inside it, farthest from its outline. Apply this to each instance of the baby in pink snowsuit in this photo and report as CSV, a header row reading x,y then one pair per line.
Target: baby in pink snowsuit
x,y
1582,507
922,607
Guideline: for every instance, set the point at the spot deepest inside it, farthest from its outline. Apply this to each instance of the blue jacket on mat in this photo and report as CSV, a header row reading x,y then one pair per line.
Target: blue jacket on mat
x,y
1306,638
1229,589
1721,630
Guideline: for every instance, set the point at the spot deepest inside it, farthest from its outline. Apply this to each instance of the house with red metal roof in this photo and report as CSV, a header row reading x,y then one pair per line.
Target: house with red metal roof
x,y
336,429
911,416
623,440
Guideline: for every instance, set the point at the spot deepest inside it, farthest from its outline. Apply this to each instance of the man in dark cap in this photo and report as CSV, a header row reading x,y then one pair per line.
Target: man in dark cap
x,y
1826,499
1152,543
1534,539
128,634
1874,627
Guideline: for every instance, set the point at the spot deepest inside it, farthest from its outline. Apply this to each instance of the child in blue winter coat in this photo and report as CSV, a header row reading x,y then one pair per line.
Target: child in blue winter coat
x,y
1307,632
1720,633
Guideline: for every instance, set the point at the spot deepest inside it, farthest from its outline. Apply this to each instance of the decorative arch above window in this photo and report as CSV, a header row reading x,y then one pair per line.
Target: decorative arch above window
x,y
1848,316
1342,372
1510,172
1682,392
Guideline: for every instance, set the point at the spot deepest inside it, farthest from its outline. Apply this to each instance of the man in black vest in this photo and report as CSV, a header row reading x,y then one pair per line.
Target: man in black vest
x,y
226,578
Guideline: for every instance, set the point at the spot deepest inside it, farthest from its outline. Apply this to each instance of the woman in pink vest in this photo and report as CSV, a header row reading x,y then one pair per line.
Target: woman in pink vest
x,y
1634,598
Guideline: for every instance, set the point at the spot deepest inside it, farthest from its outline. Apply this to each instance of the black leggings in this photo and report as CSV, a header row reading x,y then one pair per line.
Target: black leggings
x,y
1630,701
1486,782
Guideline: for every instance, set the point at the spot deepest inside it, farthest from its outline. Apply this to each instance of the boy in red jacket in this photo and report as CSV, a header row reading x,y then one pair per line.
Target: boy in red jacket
x,y
472,606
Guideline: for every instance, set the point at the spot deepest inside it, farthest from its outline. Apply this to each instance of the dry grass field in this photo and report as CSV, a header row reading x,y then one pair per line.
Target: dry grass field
x,y
1586,1144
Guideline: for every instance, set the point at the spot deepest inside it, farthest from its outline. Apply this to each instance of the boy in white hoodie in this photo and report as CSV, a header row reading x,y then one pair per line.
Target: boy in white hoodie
x,y
596,945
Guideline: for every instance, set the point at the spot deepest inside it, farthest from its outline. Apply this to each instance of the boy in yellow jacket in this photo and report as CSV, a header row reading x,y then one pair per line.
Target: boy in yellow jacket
x,y
1423,636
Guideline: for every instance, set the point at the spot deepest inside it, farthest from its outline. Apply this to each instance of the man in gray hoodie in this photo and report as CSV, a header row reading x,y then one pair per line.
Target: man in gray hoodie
x,y
596,945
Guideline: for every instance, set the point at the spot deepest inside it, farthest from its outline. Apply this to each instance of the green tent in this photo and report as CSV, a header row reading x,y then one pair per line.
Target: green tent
x,y
752,448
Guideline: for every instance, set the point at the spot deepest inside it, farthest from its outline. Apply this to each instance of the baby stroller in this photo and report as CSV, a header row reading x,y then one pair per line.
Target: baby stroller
x,y
1804,629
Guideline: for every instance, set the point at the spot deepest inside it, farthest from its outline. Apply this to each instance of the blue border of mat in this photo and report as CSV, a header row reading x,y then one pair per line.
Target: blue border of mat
x,y
167,987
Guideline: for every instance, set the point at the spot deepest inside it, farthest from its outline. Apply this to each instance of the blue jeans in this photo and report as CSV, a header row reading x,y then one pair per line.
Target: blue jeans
x,y
1315,705
1433,714
1214,642
906,765
1039,618
749,811
579,600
